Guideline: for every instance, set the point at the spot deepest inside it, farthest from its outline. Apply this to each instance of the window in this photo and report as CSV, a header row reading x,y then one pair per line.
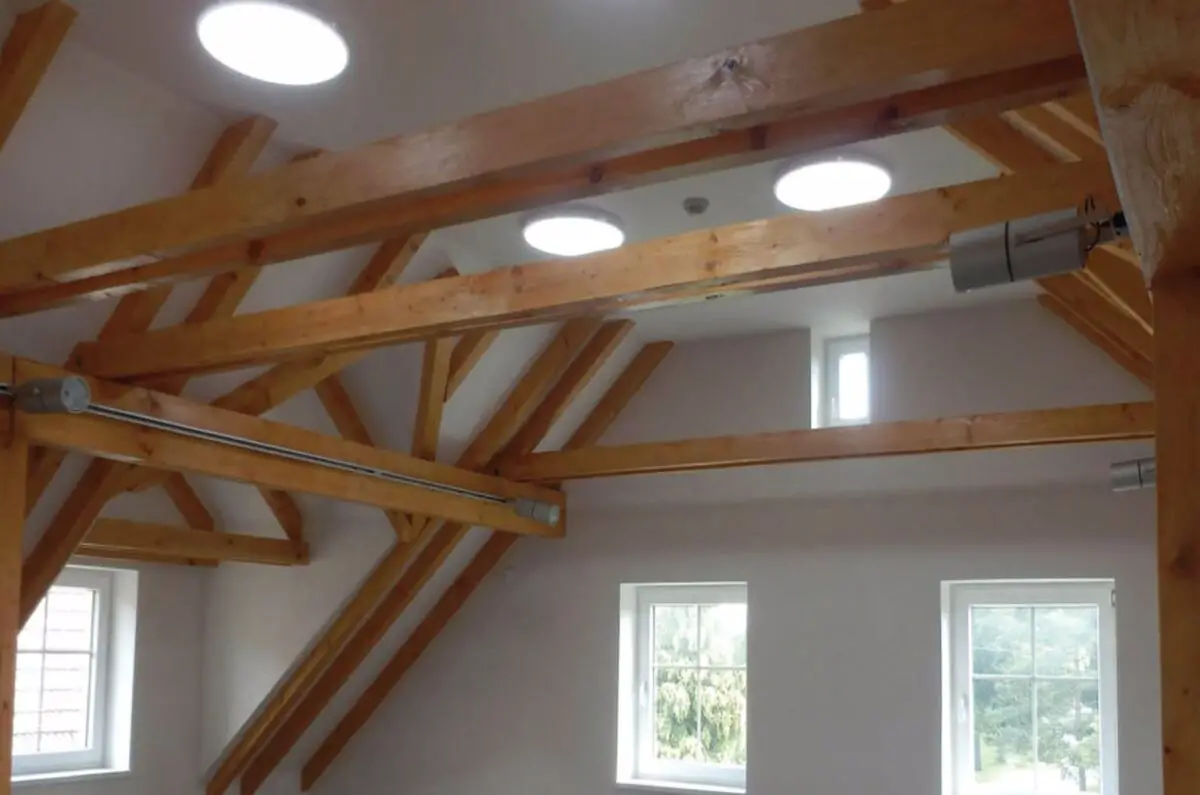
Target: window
x,y
63,719
683,686
1030,688
847,381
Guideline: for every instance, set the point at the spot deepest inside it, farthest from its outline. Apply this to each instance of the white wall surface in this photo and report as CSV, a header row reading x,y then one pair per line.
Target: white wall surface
x,y
517,697
166,690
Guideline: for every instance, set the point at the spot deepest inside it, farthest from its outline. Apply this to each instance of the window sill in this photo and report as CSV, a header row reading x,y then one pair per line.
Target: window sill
x,y
68,777
677,786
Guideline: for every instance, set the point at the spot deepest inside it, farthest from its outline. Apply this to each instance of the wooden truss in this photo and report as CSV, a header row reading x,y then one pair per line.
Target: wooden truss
x,y
1005,76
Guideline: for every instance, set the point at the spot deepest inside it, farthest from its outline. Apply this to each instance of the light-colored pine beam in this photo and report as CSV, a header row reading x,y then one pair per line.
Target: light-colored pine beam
x,y
1123,283
1001,144
162,449
187,502
1057,134
467,352
431,397
1083,296
143,556
190,543
903,232
1079,111
1142,65
1177,398
1134,364
303,678
611,404
583,361
14,465
285,510
1103,423
31,45
921,44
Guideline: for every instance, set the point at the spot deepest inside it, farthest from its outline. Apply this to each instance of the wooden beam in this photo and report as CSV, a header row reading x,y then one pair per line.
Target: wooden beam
x,y
1176,362
467,352
589,432
188,503
14,463
120,534
286,512
1123,284
1001,144
1057,134
921,44
1082,295
431,397
524,430
143,556
1104,423
163,449
901,232
30,47
384,581
1133,363
1142,65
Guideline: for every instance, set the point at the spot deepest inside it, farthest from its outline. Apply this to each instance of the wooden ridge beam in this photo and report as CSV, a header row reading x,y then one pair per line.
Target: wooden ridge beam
x,y
28,50
1103,423
1142,66
582,361
384,583
123,535
892,235
176,452
922,44
611,404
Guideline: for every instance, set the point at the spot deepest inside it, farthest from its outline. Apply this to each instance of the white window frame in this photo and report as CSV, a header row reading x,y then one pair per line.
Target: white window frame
x,y
37,765
835,349
636,763
957,719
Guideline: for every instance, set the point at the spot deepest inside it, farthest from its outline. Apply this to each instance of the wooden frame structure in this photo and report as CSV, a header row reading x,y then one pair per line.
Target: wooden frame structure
x,y
1005,76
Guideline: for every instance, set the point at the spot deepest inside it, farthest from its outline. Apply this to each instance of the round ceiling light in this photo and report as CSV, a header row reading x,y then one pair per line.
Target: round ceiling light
x,y
573,231
272,42
830,184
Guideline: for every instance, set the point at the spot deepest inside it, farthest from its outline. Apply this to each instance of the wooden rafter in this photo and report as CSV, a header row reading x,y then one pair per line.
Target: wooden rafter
x,y
468,350
588,433
581,364
119,535
1102,337
289,693
431,397
14,466
162,449
894,235
188,503
31,45
920,45
1104,423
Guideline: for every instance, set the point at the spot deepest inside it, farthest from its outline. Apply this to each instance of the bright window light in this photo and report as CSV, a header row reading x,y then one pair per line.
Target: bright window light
x,y
830,184
573,231
847,381
272,42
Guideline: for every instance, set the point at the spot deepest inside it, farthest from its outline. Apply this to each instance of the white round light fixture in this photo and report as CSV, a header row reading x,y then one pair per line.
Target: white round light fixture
x,y
830,184
272,42
573,231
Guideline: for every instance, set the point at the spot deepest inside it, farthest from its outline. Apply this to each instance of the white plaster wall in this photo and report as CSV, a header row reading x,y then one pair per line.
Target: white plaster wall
x,y
166,690
517,697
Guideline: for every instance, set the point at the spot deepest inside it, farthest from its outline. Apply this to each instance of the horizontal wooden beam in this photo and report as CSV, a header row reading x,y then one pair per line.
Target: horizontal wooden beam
x,y
893,235
119,535
1103,423
922,44
162,449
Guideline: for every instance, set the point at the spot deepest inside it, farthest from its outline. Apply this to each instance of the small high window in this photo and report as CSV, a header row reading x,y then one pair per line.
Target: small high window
x,y
847,398
71,712
683,686
1030,700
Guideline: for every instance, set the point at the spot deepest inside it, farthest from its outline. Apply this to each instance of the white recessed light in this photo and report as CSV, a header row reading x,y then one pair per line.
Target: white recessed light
x,y
573,231
273,42
829,184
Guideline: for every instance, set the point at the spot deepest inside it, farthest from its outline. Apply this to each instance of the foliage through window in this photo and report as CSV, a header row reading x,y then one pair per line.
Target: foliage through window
x,y
1032,688
686,709
847,399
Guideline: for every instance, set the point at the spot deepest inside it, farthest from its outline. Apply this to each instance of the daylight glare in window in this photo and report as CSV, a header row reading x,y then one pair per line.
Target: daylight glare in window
x,y
847,399
1034,689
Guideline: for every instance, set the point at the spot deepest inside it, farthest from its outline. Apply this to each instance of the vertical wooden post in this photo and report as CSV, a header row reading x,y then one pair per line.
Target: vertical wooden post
x,y
14,459
1177,397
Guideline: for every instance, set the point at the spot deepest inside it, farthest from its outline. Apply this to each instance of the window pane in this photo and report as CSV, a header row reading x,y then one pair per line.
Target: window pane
x,y
30,637
674,628
69,619
723,634
853,394
676,715
1003,738
1068,736
1068,641
1000,638
723,716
